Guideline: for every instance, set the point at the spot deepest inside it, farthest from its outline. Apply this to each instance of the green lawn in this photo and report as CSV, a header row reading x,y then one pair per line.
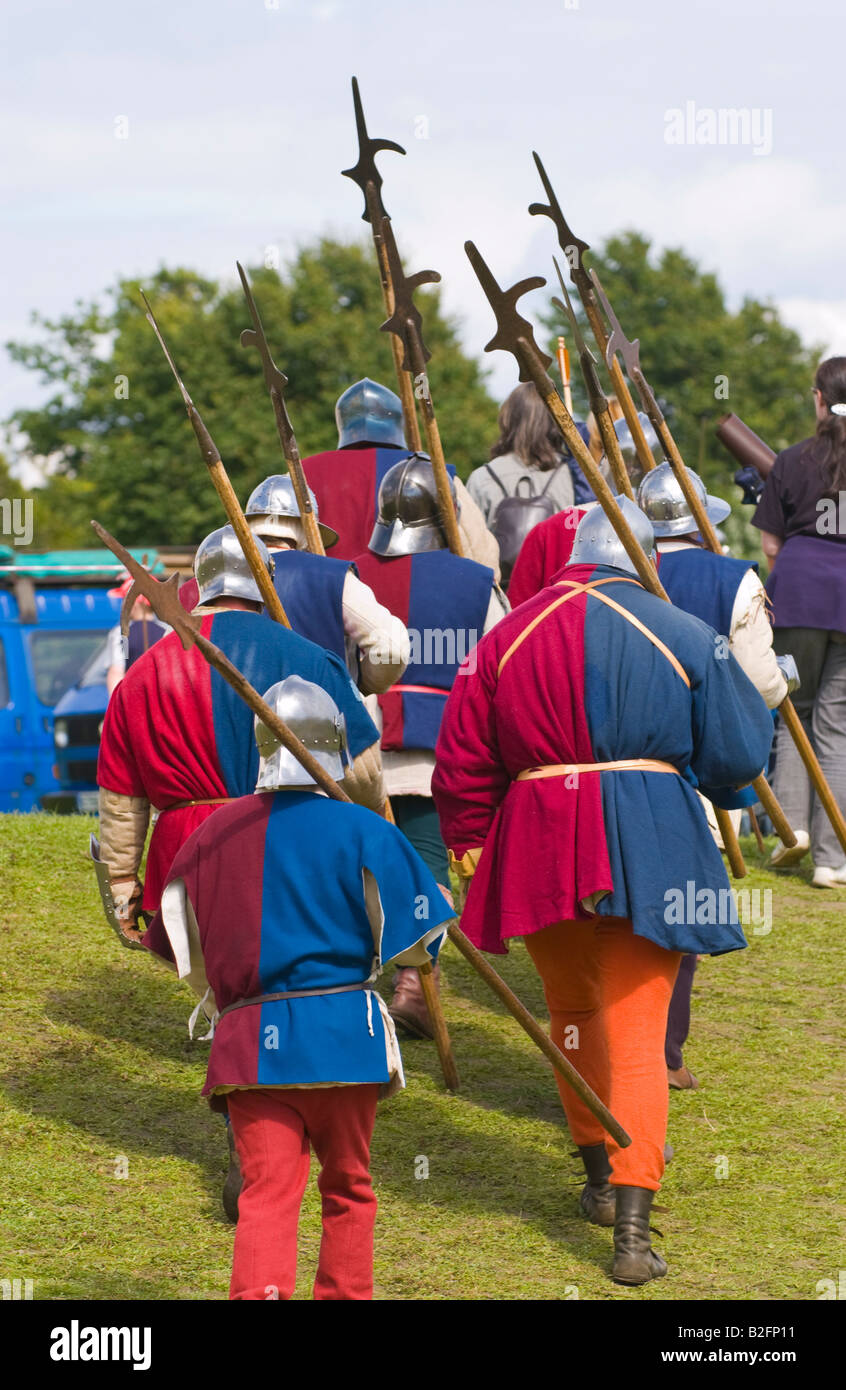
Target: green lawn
x,y
96,1069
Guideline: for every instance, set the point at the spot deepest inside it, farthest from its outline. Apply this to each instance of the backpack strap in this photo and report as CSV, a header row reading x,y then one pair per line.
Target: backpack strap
x,y
552,476
500,484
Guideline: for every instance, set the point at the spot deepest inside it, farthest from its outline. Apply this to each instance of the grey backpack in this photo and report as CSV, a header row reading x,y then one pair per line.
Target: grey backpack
x,y
515,515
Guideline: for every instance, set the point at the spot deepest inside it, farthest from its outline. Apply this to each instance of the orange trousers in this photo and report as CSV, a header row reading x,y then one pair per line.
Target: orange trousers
x,y
608,992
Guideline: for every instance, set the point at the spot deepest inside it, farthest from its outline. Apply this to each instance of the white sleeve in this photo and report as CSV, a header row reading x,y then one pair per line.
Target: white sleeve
x,y
497,608
751,640
114,649
382,639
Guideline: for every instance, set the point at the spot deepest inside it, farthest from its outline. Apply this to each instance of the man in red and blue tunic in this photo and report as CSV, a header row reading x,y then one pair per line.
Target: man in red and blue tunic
x,y
281,911
346,480
178,739
447,603
564,777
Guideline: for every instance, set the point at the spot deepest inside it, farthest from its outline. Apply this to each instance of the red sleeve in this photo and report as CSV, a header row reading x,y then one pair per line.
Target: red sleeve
x,y
469,780
527,575
117,770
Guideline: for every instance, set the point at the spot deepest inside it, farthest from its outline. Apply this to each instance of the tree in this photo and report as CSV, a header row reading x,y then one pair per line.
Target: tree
x,y
703,361
115,430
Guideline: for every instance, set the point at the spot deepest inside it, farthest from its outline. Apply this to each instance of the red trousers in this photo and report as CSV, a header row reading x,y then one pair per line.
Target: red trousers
x,y
273,1131
608,992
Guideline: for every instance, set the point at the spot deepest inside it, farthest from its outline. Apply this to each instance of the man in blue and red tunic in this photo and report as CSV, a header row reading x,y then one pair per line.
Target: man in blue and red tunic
x,y
563,778
285,907
446,602
346,480
178,739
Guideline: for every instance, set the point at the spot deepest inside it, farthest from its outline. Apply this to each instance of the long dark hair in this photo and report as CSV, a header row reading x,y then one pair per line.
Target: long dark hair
x,y
527,430
830,441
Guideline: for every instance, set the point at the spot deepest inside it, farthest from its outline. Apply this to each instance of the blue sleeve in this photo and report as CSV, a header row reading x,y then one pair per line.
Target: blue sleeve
x,y
732,729
361,731
413,905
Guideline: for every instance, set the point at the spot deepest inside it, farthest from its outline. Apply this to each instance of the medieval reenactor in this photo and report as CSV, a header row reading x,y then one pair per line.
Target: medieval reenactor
x,y
447,603
346,480
283,909
727,594
324,598
587,711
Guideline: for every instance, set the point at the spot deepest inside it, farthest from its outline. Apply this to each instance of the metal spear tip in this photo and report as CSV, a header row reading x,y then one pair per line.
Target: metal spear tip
x,y
151,319
567,308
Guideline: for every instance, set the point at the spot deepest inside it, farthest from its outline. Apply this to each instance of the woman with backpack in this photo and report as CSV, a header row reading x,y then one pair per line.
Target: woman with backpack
x,y
528,478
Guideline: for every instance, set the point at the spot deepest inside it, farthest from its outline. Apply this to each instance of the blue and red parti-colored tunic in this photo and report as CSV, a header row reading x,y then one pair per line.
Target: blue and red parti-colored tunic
x,y
443,600
587,687
275,884
176,731
346,484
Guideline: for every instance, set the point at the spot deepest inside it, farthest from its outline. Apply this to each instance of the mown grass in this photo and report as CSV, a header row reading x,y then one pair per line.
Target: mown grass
x,y
98,1075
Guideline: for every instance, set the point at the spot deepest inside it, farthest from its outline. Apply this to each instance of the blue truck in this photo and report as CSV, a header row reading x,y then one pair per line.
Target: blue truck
x,y
55,617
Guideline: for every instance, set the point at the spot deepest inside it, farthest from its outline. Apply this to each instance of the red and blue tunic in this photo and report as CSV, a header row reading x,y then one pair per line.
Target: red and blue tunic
x,y
272,891
443,600
587,687
175,731
346,484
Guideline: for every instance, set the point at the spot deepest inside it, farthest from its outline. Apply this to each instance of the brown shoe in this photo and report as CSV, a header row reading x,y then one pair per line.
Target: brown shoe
x,y
408,1006
682,1079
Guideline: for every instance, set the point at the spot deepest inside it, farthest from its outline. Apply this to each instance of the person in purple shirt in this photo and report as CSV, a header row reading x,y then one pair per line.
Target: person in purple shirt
x,y
802,520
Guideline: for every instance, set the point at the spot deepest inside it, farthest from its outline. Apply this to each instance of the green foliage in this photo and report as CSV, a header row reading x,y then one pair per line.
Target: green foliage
x,y
116,419
693,350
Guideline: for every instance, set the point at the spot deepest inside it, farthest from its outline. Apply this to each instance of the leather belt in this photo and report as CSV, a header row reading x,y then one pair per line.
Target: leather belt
x,y
202,801
294,994
621,765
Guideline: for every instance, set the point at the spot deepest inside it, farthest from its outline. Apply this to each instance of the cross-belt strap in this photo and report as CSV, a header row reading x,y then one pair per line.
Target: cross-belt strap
x,y
621,765
592,588
294,994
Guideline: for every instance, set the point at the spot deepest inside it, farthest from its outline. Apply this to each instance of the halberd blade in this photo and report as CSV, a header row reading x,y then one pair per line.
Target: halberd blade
x,y
511,327
364,172
572,246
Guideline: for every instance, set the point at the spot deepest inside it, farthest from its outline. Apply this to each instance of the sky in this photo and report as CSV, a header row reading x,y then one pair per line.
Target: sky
x,y
196,132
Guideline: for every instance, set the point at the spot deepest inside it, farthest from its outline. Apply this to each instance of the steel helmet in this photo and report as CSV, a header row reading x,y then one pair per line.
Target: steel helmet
x,y
221,569
368,413
661,498
309,712
409,519
272,510
597,543
634,467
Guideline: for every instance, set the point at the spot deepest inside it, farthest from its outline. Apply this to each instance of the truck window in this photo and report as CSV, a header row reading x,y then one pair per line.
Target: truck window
x,y
58,659
4,679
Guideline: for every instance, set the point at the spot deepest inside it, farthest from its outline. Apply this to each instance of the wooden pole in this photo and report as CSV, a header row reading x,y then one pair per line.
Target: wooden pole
x,y
449,520
381,228
436,1014
238,521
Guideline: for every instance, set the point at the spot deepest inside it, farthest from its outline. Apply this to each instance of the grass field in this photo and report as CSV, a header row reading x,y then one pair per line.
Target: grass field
x,y
99,1078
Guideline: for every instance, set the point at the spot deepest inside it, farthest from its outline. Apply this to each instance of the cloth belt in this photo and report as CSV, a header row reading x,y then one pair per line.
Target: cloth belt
x,y
207,801
621,765
294,994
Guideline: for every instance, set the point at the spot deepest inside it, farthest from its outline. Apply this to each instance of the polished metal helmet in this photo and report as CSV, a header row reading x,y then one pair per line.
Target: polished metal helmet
x,y
409,513
311,714
368,413
661,498
221,569
272,510
634,467
597,543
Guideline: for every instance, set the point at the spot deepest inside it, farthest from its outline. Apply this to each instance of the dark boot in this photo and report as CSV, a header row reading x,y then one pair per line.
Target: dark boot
x,y
635,1262
232,1185
598,1199
408,1006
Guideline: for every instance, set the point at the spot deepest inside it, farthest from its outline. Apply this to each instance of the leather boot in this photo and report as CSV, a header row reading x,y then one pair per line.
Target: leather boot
x,y
599,1198
408,1006
232,1184
635,1262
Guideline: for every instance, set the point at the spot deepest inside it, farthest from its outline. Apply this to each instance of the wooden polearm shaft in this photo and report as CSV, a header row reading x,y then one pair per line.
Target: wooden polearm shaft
x,y
630,351
564,369
224,489
404,382
442,1039
574,249
449,519
276,381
